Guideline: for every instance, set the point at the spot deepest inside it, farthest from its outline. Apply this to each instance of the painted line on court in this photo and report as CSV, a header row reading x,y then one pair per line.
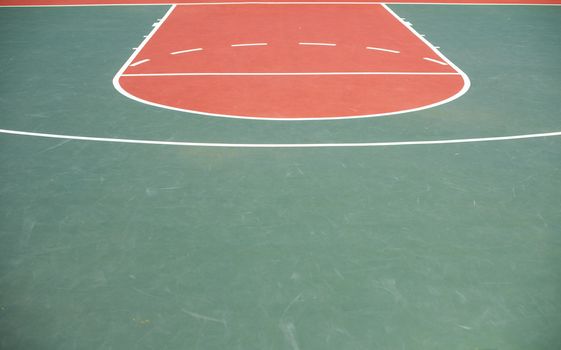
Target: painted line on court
x,y
279,145
186,51
251,44
435,61
140,62
317,44
292,3
281,74
381,49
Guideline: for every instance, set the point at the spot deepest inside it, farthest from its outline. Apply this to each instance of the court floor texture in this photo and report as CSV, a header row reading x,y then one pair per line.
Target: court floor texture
x,y
291,176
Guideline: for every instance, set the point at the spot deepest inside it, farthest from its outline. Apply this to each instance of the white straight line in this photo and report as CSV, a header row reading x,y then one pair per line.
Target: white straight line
x,y
280,145
289,3
252,44
283,73
139,62
186,51
435,61
381,49
318,44
467,4
211,3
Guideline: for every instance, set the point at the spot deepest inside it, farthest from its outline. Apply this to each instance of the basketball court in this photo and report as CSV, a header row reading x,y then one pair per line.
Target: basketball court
x,y
280,175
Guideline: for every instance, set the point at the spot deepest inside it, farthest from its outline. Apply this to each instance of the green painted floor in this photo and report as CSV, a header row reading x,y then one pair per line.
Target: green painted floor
x,y
112,246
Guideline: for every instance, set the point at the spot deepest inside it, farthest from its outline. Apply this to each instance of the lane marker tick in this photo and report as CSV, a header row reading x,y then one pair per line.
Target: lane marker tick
x,y
139,62
251,44
186,51
435,61
318,44
381,49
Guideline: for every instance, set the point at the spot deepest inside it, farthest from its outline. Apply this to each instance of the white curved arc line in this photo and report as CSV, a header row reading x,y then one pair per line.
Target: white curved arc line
x,y
150,103
279,145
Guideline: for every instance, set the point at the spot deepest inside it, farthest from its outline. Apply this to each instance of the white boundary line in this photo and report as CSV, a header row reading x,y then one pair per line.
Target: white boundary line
x,y
289,3
281,74
280,145
462,91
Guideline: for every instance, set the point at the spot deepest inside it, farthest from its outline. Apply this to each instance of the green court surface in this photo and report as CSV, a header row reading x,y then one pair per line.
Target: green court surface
x,y
107,245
